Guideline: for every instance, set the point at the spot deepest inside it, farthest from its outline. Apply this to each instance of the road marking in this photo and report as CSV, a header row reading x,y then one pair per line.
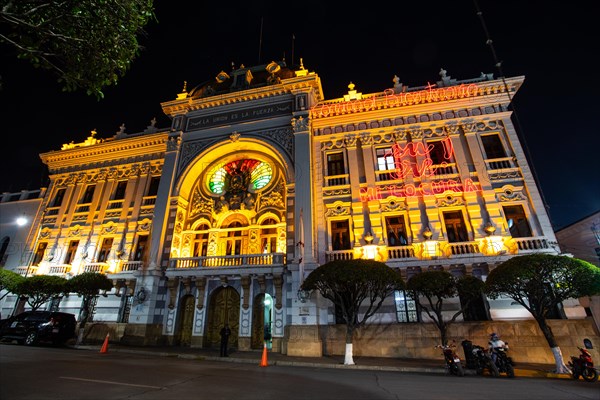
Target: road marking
x,y
110,382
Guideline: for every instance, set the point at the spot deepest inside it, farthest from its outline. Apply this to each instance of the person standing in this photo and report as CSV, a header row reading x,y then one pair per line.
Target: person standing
x,y
225,333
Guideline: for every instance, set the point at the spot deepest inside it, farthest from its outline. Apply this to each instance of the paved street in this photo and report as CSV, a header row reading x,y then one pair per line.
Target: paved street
x,y
67,373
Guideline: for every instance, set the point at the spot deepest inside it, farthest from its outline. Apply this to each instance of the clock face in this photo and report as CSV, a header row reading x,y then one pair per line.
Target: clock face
x,y
246,174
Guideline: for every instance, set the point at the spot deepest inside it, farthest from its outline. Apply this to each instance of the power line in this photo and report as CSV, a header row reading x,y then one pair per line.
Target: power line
x,y
498,65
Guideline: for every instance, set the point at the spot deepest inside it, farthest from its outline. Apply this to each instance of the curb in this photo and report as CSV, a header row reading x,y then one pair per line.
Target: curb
x,y
521,373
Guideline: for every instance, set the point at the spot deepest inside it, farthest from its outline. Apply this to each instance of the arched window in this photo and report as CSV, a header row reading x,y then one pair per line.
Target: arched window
x,y
268,236
201,241
234,240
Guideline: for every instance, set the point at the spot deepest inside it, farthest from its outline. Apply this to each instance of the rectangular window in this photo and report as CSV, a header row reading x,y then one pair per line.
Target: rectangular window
x,y
396,231
340,235
58,198
105,249
335,164
385,159
88,195
455,226
140,249
153,187
406,307
120,190
71,251
39,253
437,152
493,146
517,221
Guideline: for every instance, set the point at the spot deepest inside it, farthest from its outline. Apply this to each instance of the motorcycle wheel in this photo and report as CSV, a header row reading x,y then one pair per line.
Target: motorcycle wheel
x,y
510,371
590,374
493,370
575,375
458,370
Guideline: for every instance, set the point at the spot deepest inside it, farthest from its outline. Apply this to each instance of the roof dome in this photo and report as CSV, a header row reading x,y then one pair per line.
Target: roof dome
x,y
243,78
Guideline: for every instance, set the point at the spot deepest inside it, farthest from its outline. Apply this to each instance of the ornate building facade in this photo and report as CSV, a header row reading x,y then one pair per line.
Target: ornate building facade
x,y
259,179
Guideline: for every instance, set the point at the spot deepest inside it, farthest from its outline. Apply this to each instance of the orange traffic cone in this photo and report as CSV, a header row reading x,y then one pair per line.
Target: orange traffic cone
x,y
263,361
104,348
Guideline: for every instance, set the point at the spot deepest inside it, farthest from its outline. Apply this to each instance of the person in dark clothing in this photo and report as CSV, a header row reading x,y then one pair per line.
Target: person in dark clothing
x,y
225,333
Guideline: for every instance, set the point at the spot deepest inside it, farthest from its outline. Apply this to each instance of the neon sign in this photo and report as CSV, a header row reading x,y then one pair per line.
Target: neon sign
x,y
405,165
392,99
425,188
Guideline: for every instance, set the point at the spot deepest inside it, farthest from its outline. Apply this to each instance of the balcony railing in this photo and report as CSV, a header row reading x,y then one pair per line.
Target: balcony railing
x,y
115,204
526,245
336,180
339,255
500,163
128,266
254,260
461,248
98,267
59,270
399,252
24,270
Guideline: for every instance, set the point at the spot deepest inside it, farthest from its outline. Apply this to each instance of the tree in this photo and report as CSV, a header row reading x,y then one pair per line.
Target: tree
x,y
431,288
9,282
40,289
87,44
349,284
539,282
88,285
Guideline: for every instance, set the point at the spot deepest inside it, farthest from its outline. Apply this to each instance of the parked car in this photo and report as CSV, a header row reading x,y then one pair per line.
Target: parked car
x,y
33,327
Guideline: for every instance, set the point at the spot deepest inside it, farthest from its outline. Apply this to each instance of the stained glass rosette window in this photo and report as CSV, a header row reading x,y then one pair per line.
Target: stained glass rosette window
x,y
261,174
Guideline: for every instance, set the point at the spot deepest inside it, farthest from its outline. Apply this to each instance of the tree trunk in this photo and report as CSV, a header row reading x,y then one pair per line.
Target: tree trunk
x,y
561,368
348,359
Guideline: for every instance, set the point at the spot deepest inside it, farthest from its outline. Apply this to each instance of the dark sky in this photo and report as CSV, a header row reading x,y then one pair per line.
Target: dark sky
x,y
548,42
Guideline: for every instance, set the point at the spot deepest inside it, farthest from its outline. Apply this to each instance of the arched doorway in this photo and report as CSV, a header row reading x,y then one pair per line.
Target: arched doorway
x,y
183,336
262,321
224,308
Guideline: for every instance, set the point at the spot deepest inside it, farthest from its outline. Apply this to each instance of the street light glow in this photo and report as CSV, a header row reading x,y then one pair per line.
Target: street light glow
x,y
21,221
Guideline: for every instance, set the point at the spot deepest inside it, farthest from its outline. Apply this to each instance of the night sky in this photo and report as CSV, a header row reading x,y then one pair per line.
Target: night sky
x,y
550,43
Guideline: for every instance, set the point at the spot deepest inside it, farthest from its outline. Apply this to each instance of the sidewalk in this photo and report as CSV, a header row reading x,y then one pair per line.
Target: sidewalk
x,y
361,363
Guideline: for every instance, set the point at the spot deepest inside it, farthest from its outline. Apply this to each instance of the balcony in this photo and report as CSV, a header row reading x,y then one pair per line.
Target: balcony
x,y
26,271
98,267
400,252
532,245
461,249
130,266
61,270
339,255
246,260
336,180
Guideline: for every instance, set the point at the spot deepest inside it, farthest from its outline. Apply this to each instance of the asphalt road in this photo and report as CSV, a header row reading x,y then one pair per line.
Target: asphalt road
x,y
32,373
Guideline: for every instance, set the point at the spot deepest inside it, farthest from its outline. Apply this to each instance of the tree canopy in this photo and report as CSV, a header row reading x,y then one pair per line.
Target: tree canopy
x,y
87,44
9,282
357,288
432,288
40,289
539,282
88,285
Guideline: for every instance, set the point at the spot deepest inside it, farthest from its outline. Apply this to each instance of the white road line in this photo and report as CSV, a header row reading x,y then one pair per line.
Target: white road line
x,y
110,382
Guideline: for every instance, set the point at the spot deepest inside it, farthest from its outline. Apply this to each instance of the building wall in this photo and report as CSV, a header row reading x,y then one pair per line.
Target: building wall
x,y
287,123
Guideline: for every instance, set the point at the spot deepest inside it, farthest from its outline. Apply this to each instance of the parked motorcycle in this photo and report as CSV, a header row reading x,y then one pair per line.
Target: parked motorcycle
x,y
583,366
453,363
502,361
479,359
484,361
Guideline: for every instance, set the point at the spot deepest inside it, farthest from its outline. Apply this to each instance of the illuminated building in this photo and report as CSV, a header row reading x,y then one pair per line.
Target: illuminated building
x,y
260,179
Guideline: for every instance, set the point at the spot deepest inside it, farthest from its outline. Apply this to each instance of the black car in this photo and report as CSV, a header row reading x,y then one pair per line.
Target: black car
x,y
32,327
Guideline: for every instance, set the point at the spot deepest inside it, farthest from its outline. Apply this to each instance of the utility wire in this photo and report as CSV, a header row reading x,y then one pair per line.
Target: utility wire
x,y
498,65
